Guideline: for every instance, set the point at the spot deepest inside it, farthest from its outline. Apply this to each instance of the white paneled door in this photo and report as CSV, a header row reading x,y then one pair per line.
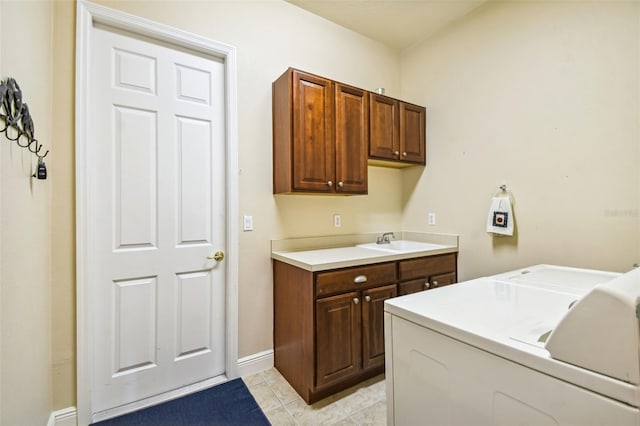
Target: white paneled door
x,y
156,218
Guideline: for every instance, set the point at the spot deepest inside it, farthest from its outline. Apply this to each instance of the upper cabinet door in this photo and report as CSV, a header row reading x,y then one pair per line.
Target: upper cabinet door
x,y
352,139
412,133
313,146
384,142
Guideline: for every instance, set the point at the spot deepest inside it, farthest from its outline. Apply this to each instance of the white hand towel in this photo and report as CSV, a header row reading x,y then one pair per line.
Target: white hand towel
x,y
500,218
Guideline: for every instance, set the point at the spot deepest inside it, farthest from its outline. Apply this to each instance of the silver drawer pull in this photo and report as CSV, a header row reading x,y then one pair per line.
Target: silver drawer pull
x,y
427,285
360,279
435,283
367,298
356,300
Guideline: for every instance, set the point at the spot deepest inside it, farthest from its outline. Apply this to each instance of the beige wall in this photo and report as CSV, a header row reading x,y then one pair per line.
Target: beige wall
x,y
25,327
542,96
63,297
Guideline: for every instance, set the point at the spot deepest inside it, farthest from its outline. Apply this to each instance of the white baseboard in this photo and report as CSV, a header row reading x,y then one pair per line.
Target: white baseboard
x,y
247,366
65,417
255,363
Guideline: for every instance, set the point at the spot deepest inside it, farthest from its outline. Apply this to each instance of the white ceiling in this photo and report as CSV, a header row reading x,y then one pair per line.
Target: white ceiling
x,y
396,23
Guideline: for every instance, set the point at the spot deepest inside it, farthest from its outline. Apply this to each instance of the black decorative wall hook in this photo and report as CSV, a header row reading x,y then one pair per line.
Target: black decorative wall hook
x,y
17,124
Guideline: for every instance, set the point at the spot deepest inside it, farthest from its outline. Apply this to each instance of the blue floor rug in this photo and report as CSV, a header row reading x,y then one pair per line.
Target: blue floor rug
x,y
229,403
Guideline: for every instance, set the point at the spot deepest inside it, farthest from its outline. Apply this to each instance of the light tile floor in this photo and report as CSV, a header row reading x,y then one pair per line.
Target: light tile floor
x,y
363,404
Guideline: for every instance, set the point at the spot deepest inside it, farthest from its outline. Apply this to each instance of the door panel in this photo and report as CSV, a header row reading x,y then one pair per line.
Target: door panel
x,y
337,337
134,71
314,164
373,324
194,181
135,178
135,327
352,139
156,210
384,134
412,133
193,306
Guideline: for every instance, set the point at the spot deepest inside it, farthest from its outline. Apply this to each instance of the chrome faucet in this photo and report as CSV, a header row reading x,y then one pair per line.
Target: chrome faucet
x,y
385,238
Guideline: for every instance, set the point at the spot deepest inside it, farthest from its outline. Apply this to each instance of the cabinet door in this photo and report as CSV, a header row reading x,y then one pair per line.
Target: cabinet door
x,y
383,124
313,144
442,279
352,139
337,337
413,286
412,133
373,324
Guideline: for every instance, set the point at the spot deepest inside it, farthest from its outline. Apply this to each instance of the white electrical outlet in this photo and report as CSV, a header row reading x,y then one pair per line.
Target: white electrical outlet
x,y
337,221
247,223
431,217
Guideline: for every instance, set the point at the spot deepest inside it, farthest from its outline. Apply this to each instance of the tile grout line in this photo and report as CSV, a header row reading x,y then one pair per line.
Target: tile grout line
x,y
283,404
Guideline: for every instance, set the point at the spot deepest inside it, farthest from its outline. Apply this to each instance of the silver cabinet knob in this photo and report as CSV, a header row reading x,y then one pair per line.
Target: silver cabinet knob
x,y
329,184
367,298
356,300
435,283
427,285
340,184
360,279
396,153
404,154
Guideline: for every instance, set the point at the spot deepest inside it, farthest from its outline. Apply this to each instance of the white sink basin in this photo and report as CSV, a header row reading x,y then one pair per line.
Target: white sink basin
x,y
402,246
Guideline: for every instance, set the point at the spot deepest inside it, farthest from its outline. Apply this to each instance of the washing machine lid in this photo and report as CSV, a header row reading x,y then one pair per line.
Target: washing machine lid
x,y
601,331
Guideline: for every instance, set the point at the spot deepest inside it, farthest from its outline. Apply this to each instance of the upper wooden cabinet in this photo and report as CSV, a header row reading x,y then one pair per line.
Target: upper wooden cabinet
x,y
320,135
397,131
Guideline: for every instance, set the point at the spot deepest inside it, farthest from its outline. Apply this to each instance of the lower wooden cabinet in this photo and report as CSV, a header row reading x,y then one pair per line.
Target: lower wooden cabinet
x,y
329,325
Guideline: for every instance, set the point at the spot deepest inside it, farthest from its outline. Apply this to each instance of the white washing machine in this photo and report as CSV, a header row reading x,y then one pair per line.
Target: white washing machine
x,y
545,345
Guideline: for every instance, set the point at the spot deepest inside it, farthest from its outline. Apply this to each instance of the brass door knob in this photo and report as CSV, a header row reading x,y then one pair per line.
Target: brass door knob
x,y
217,256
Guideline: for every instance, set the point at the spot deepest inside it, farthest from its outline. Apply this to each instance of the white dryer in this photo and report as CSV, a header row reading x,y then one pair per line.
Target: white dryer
x,y
545,345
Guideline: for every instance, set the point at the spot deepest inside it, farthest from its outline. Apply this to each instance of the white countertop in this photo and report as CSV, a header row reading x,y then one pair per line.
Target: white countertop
x,y
324,253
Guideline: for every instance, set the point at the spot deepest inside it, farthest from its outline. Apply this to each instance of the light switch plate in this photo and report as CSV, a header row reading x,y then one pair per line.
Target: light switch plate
x,y
431,218
247,223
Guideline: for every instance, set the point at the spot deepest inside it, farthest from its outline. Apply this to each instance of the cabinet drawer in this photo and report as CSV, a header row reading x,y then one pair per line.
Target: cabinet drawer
x,y
354,278
426,266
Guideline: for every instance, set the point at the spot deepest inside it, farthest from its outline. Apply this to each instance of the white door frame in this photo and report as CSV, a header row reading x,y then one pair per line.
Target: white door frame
x,y
87,15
